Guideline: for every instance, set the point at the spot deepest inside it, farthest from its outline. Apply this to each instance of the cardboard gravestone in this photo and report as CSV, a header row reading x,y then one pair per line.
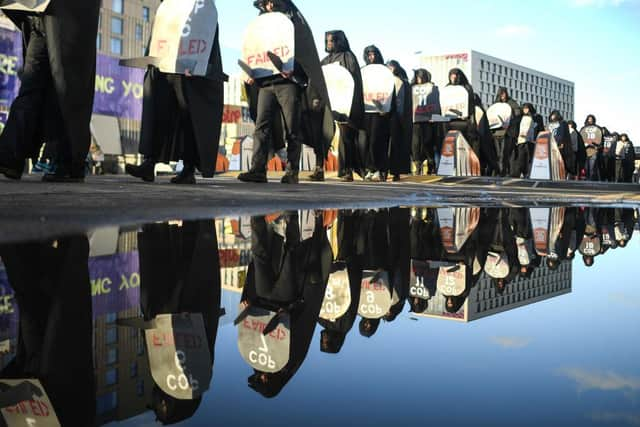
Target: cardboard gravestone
x,y
378,86
547,161
25,403
337,296
182,37
452,280
37,6
499,115
179,355
426,103
497,265
454,102
265,353
457,158
375,295
423,280
592,137
340,86
527,130
590,246
456,225
607,143
271,32
525,251
546,224
307,220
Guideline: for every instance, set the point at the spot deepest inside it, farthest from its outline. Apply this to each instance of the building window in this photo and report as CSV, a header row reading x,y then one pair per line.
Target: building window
x,y
133,369
117,6
111,377
140,388
116,25
145,13
106,403
482,64
110,318
111,336
138,32
112,356
99,41
116,46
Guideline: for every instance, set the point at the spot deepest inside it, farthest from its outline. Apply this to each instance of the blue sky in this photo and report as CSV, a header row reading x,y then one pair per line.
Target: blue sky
x,y
591,42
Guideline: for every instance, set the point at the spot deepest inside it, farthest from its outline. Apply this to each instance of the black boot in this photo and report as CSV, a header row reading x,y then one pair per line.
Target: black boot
x,y
65,173
348,176
146,171
317,175
290,177
12,168
186,177
253,176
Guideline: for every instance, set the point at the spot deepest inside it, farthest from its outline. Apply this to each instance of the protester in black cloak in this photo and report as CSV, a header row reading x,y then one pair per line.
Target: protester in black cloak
x,y
374,142
401,124
539,123
558,126
594,161
55,100
55,329
522,154
339,51
288,275
577,144
427,137
181,120
505,140
180,273
476,133
334,334
300,97
623,155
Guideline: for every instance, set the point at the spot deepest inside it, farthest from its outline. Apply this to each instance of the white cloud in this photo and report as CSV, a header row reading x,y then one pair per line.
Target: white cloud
x,y
515,31
601,381
599,3
511,342
616,418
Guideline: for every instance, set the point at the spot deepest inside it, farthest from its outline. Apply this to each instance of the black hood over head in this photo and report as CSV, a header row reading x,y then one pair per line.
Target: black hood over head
x,y
572,124
379,59
462,78
532,109
282,6
397,70
500,91
422,74
556,113
586,121
340,42
624,137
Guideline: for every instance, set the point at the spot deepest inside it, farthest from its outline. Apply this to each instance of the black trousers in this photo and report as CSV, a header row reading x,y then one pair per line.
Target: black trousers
x,y
35,114
347,149
520,161
425,143
378,129
273,100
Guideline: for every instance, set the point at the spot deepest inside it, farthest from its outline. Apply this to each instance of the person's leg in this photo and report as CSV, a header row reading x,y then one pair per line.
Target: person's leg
x,y
186,135
288,96
347,149
267,110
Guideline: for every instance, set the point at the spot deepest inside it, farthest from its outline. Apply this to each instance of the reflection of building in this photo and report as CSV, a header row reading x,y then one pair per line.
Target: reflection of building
x,y
484,300
486,74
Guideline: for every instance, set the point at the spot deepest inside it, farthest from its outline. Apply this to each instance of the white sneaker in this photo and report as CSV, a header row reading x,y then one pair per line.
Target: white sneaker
x,y
376,177
368,176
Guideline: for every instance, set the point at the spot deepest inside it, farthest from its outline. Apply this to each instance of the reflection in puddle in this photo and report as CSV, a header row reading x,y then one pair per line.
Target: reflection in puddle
x,y
139,310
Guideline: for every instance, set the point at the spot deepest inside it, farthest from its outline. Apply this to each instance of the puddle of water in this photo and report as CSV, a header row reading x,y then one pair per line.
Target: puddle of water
x,y
511,316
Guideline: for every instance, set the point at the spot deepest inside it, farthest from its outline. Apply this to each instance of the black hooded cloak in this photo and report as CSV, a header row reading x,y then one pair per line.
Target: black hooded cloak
x,y
563,138
426,137
401,124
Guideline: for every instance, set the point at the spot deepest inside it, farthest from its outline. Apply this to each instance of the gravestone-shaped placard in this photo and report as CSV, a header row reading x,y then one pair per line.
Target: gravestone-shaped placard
x,y
590,246
375,295
25,403
337,296
454,102
340,86
265,353
457,158
592,136
182,37
452,280
547,161
179,355
426,103
527,130
37,6
540,223
456,226
271,32
525,250
423,279
378,86
497,265
499,115
307,224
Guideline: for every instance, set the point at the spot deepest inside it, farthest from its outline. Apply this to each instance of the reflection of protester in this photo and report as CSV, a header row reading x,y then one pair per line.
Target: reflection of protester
x,y
53,292
427,139
180,273
57,87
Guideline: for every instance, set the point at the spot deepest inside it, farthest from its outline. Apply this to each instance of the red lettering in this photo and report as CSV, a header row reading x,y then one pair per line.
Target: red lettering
x,y
157,340
35,410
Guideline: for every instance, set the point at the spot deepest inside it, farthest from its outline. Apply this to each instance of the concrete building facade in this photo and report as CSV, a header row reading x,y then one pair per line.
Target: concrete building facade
x,y
487,73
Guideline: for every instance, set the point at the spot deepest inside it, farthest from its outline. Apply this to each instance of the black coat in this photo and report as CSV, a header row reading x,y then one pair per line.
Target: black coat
x,y
71,28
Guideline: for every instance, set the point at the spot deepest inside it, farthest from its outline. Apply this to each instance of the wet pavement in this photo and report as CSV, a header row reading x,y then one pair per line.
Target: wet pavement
x,y
424,314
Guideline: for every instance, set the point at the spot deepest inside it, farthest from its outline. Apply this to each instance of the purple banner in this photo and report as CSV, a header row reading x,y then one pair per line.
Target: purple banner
x,y
118,89
10,63
115,283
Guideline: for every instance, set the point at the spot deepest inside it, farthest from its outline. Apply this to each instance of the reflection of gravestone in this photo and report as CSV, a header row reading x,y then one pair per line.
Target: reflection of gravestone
x,y
426,103
452,280
423,279
547,225
378,87
265,353
340,86
454,102
590,246
25,5
456,226
179,355
270,32
182,37
375,295
497,265
499,115
337,297
457,158
25,403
